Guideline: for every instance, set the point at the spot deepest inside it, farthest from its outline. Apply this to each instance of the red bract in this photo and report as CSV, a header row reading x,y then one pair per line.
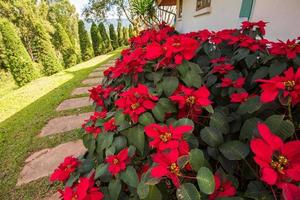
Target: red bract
x,y
223,188
117,163
62,173
110,125
239,97
84,190
260,25
279,162
166,167
167,137
227,82
180,48
289,84
92,128
154,51
223,68
290,48
290,191
190,101
251,44
136,101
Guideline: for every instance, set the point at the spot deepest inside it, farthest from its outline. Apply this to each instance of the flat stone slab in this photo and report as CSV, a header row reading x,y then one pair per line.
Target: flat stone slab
x,y
82,90
74,103
64,124
96,74
92,81
100,69
43,164
55,196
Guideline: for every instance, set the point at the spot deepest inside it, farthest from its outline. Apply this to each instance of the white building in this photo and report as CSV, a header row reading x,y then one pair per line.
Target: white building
x,y
283,15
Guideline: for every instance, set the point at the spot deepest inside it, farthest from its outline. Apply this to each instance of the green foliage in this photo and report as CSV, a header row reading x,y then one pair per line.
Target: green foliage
x,y
106,41
44,51
96,40
16,58
120,34
113,37
130,31
85,43
125,36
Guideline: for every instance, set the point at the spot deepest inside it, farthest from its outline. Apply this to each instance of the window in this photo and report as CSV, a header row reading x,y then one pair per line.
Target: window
x,y
202,7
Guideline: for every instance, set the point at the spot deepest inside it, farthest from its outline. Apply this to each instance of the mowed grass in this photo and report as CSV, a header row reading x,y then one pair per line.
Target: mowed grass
x,y
23,113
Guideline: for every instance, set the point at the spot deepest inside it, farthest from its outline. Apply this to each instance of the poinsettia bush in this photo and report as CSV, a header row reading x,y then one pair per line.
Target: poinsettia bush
x,y
203,115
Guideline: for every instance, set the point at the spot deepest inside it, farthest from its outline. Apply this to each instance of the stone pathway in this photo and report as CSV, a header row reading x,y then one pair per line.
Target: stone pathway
x,y
42,163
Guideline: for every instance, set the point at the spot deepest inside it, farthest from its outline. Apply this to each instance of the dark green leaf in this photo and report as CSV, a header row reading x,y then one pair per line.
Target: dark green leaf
x,y
261,72
143,190
211,136
248,128
219,121
183,161
120,142
119,118
146,119
234,150
187,191
206,181
154,193
251,60
136,137
170,84
250,106
130,177
183,121
89,142
277,68
197,159
114,189
279,126
101,169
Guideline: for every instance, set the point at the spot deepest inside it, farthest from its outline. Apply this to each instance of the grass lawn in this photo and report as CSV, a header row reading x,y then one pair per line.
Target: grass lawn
x,y
23,113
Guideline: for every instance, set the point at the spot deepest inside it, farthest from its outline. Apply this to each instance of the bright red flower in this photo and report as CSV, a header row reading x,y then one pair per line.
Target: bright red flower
x,y
90,125
84,190
290,191
251,44
110,125
239,97
260,25
117,163
62,173
289,84
166,166
227,82
290,48
167,137
222,69
279,162
154,51
223,188
136,101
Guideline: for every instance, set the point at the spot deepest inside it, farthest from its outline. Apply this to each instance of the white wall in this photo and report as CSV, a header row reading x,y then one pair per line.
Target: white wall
x,y
283,15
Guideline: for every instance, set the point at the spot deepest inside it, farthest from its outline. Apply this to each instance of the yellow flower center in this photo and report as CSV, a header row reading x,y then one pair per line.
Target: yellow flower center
x,y
292,46
135,106
177,44
116,161
165,137
289,85
75,197
190,100
175,169
279,163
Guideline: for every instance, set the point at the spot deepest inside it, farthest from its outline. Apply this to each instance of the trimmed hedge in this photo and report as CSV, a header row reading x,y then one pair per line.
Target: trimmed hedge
x,y
85,43
113,36
96,40
107,43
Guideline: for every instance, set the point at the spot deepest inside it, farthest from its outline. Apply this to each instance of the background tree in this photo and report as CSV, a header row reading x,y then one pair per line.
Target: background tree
x,y
96,40
120,34
106,40
125,36
113,36
130,31
85,43
17,58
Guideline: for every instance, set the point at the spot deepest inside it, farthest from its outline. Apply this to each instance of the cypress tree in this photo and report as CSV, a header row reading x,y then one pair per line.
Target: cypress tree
x,y
96,39
125,36
16,56
120,34
85,43
105,38
130,31
113,36
63,43
44,51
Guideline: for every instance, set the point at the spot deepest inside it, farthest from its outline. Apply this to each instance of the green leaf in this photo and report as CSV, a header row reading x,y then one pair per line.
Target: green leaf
x,y
159,113
209,109
248,128
251,60
114,189
183,121
154,193
119,118
206,181
170,84
89,142
256,190
101,169
72,179
120,142
197,159
86,166
219,121
146,119
143,190
250,106
277,68
234,150
105,140
131,150
211,136
187,191
261,72
136,137
183,161
167,105
279,126
130,177
240,54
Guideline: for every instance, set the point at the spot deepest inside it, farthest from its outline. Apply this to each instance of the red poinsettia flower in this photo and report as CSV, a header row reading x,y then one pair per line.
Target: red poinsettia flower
x,y
250,43
290,48
260,25
239,97
92,128
154,51
227,82
168,137
62,173
223,188
136,101
166,166
110,125
117,163
279,162
190,101
84,190
222,69
289,84
290,191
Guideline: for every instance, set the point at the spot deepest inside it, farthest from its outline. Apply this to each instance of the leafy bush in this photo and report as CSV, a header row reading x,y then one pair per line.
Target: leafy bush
x,y
113,36
120,34
96,40
85,42
15,56
189,116
105,37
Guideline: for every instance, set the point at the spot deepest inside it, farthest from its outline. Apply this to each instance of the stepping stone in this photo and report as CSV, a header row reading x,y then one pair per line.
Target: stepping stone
x,y
100,69
55,196
82,90
95,74
42,164
64,124
74,103
92,81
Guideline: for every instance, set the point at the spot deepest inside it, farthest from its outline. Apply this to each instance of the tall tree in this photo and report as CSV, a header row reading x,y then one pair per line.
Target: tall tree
x,y
85,43
125,36
120,34
106,40
130,31
17,58
113,36
96,39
